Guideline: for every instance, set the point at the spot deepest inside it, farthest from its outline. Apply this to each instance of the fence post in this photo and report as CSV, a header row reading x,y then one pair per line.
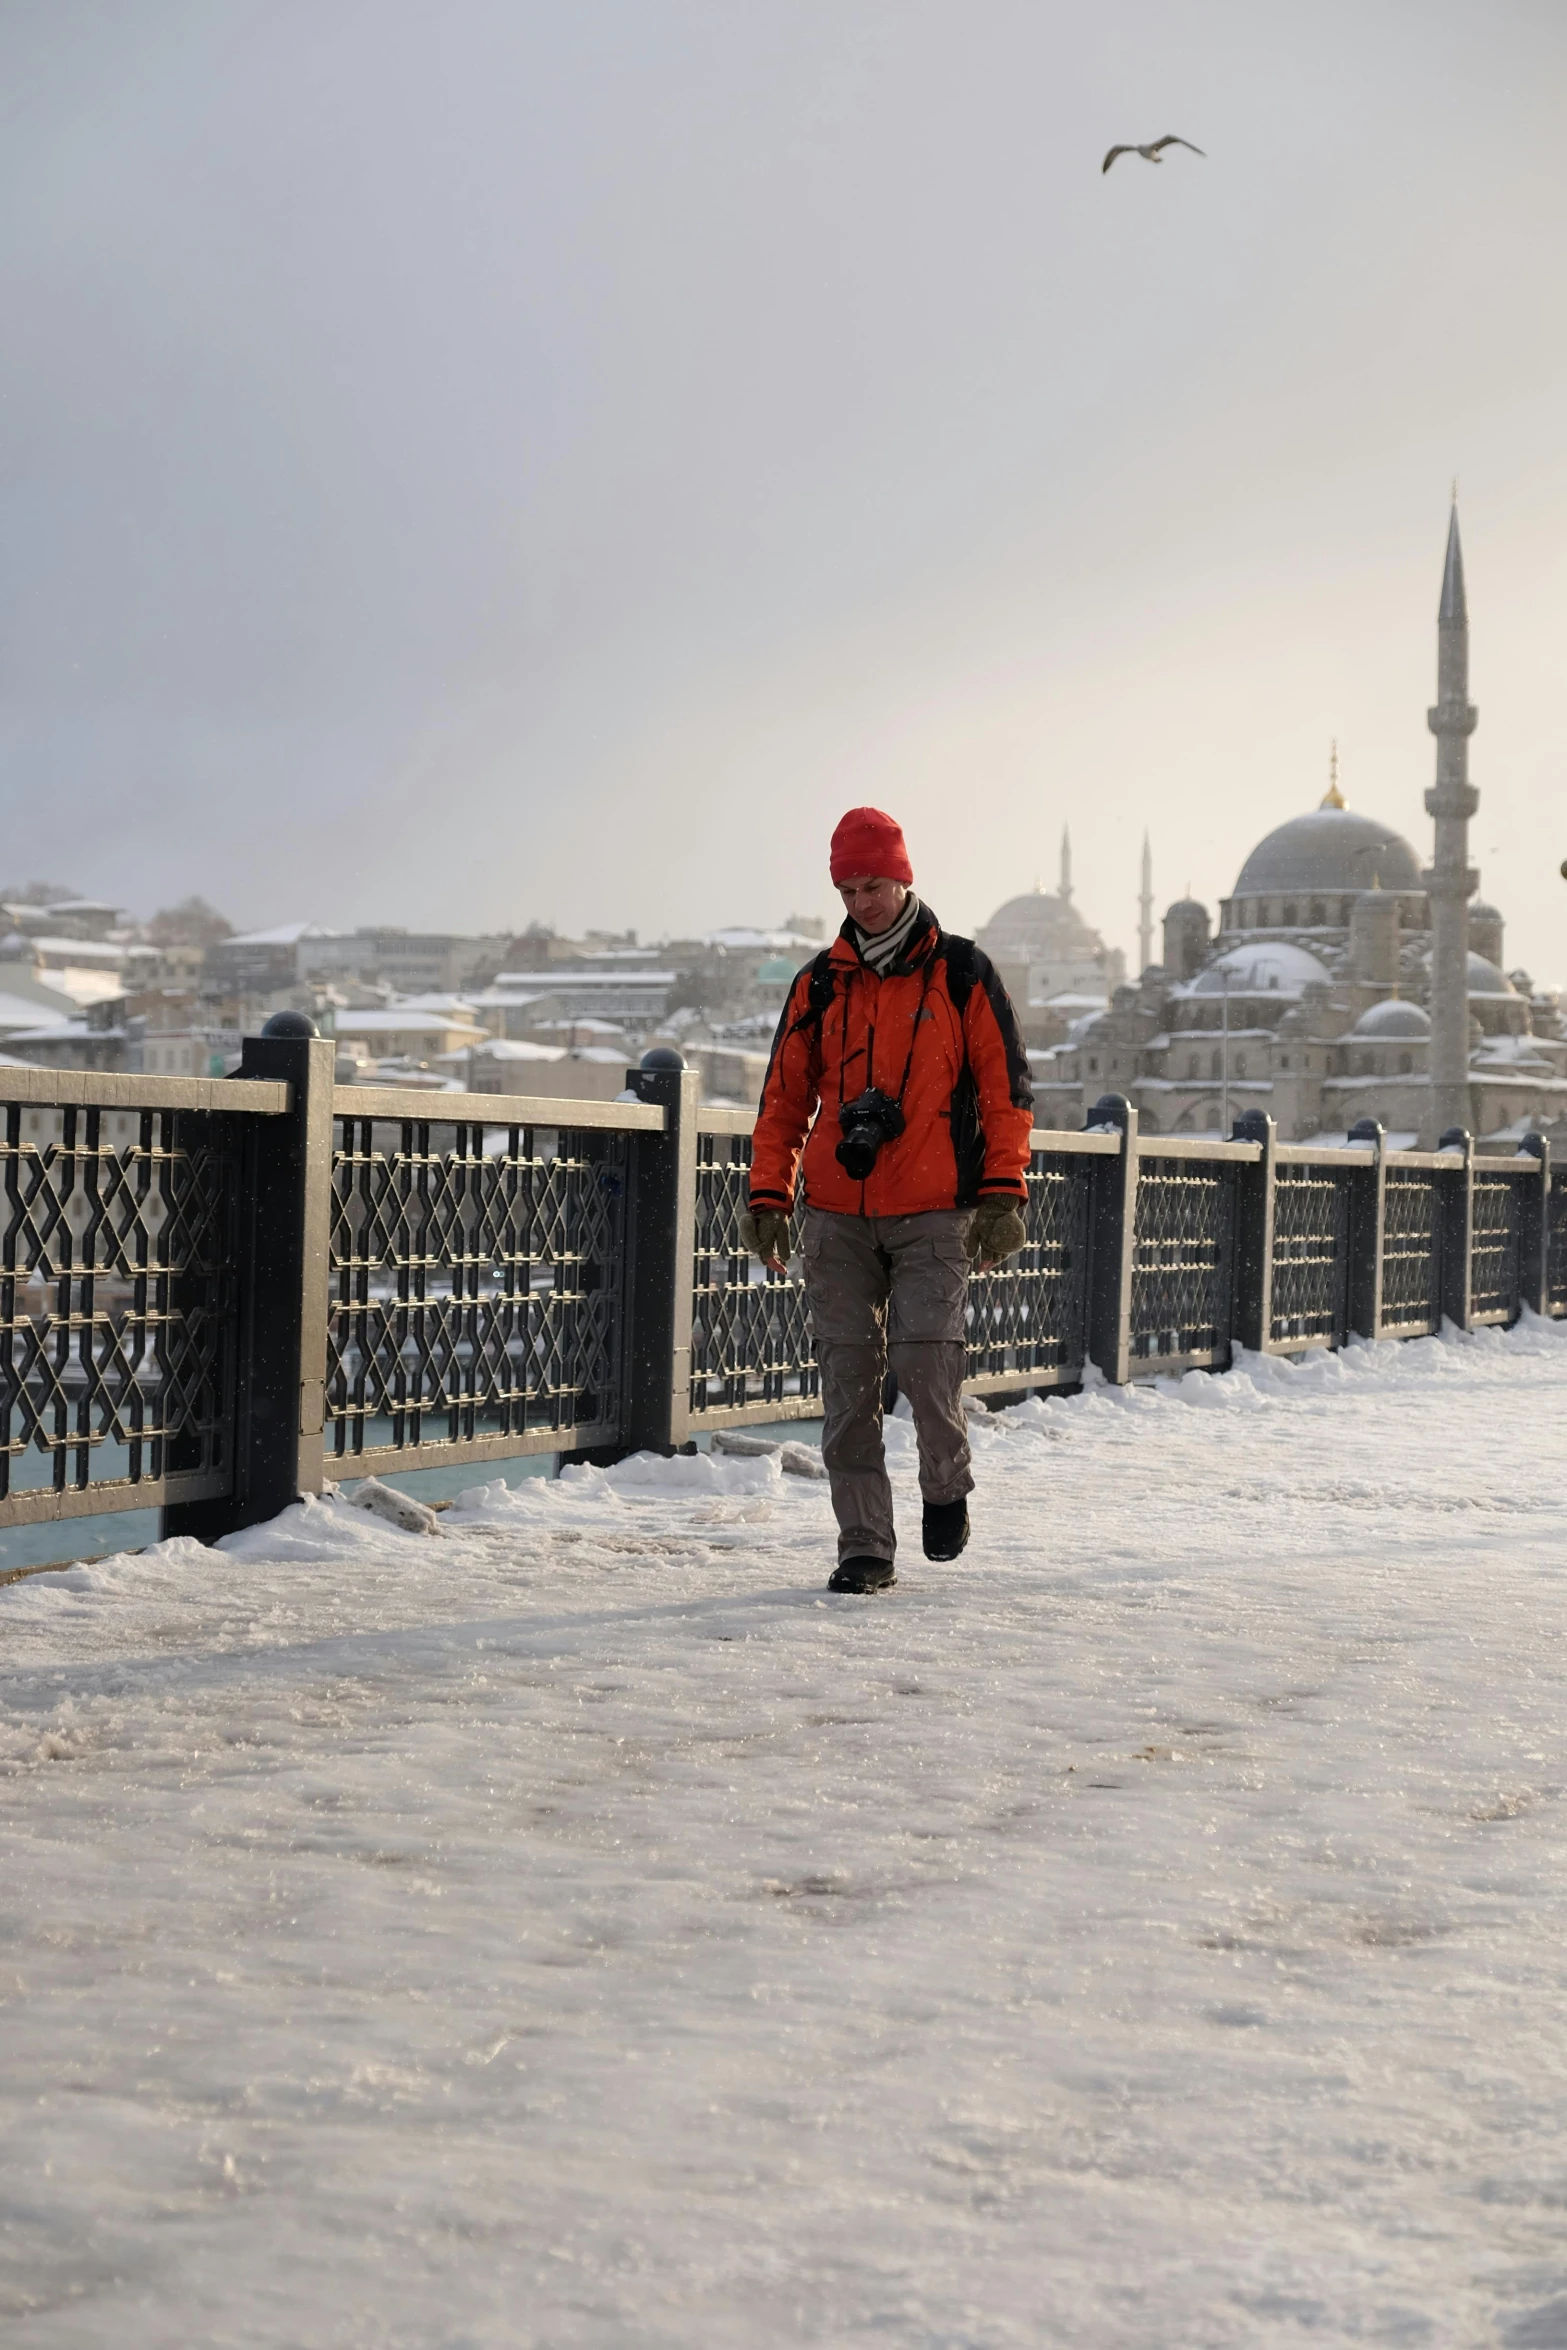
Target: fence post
x,y
1254,1201
1534,1229
1112,1222
660,1247
1456,1271
285,1227
1367,1225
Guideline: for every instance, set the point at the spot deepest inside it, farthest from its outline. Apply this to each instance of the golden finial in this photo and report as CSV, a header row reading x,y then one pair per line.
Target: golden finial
x,y
1333,797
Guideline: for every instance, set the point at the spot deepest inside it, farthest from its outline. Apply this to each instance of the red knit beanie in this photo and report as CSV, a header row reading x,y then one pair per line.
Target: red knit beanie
x,y
869,846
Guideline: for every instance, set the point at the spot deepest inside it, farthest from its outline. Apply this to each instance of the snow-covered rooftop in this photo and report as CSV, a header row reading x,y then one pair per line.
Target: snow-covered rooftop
x,y
741,940
282,934
1270,967
401,1020
503,1048
85,986
542,983
92,954
17,1011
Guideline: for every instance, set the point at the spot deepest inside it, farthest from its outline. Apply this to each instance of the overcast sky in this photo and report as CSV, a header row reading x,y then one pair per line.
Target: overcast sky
x,y
477,462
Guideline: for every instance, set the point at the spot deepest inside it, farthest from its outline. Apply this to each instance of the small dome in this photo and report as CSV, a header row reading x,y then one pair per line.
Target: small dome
x,y
1185,906
1394,1018
1274,969
1329,849
1039,927
1484,912
1485,979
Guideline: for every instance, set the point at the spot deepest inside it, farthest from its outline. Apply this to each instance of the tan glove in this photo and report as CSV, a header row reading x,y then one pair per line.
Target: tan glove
x,y
766,1235
998,1231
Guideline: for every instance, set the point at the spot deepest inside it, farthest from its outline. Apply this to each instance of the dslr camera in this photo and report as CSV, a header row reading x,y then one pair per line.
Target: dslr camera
x,y
871,1119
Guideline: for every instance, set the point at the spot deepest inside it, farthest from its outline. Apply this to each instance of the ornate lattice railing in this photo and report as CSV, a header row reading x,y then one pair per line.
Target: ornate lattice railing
x,y
476,1285
1495,1233
212,1291
1182,1260
1556,1250
1311,1221
118,1287
1028,1317
1411,1254
752,1355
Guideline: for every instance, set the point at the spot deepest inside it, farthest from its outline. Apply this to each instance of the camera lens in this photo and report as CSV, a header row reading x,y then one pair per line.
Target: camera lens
x,y
856,1154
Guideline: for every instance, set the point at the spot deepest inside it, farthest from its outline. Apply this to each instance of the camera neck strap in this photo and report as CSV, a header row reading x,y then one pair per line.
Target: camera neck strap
x,y
914,1030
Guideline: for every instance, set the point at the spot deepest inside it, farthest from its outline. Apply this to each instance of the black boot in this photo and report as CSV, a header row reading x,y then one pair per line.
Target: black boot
x,y
862,1575
946,1528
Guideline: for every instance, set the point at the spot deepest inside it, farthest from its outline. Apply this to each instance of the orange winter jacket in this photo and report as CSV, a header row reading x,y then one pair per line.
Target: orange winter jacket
x,y
938,1034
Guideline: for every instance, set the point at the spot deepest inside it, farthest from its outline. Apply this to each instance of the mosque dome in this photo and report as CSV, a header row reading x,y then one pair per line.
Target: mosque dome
x,y
1329,848
1040,927
1276,968
1394,1018
1485,979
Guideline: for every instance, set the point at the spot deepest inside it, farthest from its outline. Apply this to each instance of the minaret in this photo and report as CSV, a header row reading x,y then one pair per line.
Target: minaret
x,y
1333,797
1451,881
1145,912
1066,866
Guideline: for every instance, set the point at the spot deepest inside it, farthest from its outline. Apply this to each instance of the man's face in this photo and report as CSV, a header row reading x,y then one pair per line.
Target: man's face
x,y
874,903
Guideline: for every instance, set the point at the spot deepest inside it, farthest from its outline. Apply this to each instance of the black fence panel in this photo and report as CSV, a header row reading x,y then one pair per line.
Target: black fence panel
x,y
1411,1254
477,1293
752,1353
1311,1220
117,1273
206,1287
1028,1317
1494,1247
1556,1260
1182,1260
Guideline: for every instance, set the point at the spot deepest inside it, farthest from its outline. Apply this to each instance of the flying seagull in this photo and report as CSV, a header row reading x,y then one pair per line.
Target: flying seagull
x,y
1153,152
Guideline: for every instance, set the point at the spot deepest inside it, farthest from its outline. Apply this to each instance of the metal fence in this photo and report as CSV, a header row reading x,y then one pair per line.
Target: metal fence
x,y
215,1293
119,1271
475,1290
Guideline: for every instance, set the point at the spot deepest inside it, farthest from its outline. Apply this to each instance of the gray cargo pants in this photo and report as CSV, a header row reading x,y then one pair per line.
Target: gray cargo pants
x,y
880,1287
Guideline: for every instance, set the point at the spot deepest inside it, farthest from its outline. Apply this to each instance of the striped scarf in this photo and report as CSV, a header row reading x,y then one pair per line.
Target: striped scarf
x,y
888,945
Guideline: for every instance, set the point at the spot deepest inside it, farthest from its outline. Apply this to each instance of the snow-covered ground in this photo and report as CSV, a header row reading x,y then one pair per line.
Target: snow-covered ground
x,y
576,1928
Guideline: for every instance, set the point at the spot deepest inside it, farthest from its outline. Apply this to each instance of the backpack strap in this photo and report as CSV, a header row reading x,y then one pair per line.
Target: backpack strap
x,y
818,995
968,1133
962,971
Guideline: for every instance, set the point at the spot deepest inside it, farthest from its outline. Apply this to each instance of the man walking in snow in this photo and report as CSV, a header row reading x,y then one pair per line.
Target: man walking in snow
x,y
898,1067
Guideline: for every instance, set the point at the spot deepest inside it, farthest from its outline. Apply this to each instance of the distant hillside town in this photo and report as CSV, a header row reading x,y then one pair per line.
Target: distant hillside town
x,y
82,986
1343,982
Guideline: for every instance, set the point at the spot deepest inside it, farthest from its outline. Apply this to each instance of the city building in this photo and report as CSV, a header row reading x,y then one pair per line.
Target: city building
x,y
1054,965
1340,974
603,991
406,1032
410,961
591,1073
262,962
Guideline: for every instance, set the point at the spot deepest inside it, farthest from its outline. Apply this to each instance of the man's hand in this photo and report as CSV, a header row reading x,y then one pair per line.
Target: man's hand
x,y
766,1235
998,1231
